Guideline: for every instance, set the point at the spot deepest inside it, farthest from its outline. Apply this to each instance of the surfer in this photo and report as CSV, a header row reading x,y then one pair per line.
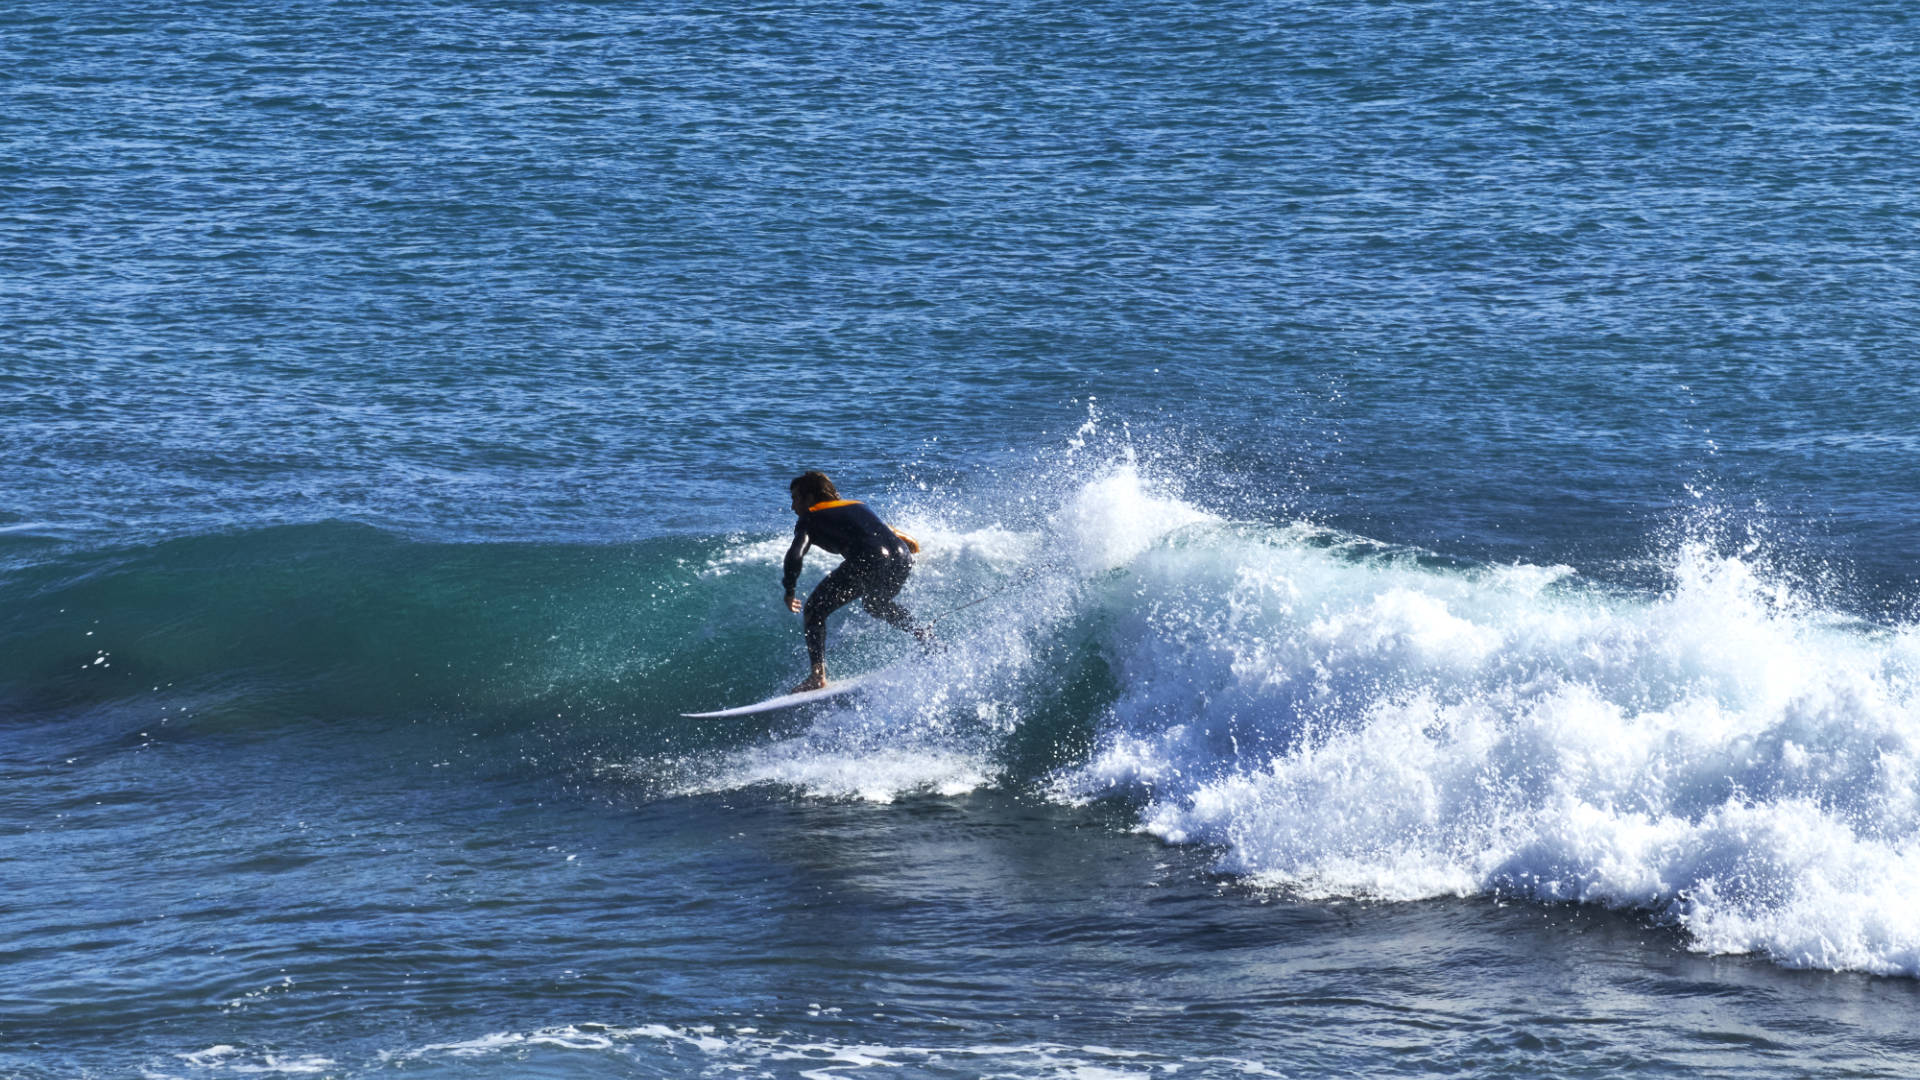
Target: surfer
x,y
876,562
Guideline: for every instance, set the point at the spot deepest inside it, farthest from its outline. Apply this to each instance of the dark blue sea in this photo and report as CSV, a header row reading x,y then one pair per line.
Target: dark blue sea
x,y
1419,501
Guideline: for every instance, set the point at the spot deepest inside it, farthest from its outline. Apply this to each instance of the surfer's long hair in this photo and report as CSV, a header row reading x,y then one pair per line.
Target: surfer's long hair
x,y
814,487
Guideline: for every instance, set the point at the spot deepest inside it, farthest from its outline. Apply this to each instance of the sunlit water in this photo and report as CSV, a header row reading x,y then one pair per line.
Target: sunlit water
x,y
1418,502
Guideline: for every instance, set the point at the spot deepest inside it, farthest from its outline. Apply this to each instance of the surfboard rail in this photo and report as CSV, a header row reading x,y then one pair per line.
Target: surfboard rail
x,y
786,701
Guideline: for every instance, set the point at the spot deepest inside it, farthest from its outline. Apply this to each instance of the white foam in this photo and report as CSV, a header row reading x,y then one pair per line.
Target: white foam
x,y
899,736
876,775
741,1049
1113,519
746,553
1341,720
226,1059
1724,755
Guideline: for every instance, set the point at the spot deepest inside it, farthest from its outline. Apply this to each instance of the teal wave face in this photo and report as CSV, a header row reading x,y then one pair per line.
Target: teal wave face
x,y
587,650
347,619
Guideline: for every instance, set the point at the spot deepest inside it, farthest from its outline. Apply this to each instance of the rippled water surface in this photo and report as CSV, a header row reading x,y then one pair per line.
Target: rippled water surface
x,y
1418,497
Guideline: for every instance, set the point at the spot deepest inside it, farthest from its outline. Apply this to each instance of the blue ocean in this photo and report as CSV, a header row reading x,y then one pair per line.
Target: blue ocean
x,y
1418,502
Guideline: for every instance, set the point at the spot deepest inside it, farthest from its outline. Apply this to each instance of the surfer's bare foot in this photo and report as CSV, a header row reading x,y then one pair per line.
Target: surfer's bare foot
x,y
815,681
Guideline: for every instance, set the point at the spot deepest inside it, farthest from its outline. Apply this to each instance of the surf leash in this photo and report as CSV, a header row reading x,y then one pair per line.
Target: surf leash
x,y
1025,576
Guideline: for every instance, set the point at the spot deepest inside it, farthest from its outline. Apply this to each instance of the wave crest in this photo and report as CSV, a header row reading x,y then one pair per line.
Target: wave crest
x,y
1725,755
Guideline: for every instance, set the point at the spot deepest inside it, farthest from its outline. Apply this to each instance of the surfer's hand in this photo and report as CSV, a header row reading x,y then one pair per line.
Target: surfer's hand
x,y
793,602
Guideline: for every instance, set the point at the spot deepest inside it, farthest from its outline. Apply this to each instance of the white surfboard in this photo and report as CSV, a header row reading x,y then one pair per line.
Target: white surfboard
x,y
788,701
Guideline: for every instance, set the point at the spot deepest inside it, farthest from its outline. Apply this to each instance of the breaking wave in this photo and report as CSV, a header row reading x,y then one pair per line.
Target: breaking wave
x,y
1342,719
1333,716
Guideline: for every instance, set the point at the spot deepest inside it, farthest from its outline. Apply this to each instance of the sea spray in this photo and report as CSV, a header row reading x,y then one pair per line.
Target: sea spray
x,y
1725,755
1342,718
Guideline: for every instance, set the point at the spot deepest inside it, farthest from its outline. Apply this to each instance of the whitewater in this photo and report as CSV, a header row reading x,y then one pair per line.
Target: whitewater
x,y
1337,718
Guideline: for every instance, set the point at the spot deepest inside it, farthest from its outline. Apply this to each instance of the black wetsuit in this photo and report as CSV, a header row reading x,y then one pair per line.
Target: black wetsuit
x,y
876,566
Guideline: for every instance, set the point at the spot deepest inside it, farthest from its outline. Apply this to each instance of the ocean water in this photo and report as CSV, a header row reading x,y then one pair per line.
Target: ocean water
x,y
1418,500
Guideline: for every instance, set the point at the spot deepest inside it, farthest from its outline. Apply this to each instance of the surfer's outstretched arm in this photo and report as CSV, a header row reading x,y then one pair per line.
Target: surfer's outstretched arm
x,y
796,555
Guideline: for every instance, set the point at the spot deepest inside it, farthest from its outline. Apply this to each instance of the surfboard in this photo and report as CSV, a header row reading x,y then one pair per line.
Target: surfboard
x,y
786,701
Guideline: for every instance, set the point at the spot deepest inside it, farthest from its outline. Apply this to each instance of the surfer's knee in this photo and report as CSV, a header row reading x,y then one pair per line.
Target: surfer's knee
x,y
888,610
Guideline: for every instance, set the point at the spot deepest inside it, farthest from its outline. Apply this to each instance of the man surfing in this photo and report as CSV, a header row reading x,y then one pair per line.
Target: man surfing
x,y
876,563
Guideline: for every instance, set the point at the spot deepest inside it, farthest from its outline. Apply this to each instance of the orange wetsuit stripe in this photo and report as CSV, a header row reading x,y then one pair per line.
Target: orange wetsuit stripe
x,y
831,505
